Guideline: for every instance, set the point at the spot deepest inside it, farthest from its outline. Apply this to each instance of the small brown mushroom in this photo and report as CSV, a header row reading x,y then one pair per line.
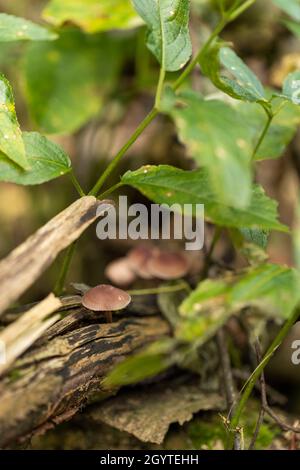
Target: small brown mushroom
x,y
120,273
168,266
107,299
138,259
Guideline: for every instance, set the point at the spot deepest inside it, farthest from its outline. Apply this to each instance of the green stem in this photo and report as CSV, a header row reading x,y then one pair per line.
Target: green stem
x,y
208,258
160,86
114,163
76,184
238,11
160,290
60,283
248,388
111,190
264,133
218,29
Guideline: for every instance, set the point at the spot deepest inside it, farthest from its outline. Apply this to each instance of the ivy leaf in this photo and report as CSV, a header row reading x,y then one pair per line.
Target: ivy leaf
x,y
66,80
291,7
11,143
92,15
168,23
245,87
291,87
13,28
216,137
168,185
272,289
47,161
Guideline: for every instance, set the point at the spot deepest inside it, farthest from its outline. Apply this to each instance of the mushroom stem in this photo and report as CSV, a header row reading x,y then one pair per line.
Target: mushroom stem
x,y
108,316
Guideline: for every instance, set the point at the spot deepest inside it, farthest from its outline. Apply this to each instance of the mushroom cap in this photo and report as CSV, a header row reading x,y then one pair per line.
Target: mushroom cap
x,y
105,298
138,259
120,273
168,266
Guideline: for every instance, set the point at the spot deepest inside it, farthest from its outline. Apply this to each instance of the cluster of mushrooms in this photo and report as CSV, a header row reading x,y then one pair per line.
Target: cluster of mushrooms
x,y
145,262
148,262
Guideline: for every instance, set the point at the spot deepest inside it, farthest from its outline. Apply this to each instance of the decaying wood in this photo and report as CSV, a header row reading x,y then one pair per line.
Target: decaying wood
x,y
23,266
21,334
148,416
63,370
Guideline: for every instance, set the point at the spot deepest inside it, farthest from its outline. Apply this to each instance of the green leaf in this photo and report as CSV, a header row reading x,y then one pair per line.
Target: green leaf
x,y
168,185
148,363
168,23
291,7
293,27
67,79
272,289
291,87
92,15
245,87
11,143
47,161
217,138
13,28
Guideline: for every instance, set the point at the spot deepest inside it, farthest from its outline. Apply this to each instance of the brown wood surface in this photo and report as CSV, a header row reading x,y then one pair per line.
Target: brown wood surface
x,y
24,265
62,371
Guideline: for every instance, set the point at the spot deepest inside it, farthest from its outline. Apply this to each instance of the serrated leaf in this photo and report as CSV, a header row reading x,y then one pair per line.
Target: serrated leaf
x,y
245,87
217,138
291,87
13,28
47,161
291,7
272,289
66,79
168,23
168,185
11,143
92,15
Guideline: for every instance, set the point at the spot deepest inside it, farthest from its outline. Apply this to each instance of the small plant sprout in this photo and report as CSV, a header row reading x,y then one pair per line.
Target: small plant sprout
x,y
107,299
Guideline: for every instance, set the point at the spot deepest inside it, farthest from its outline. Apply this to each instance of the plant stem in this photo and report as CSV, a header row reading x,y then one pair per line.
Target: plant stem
x,y
264,133
160,290
60,283
218,29
238,11
247,390
76,184
111,190
160,86
226,18
114,163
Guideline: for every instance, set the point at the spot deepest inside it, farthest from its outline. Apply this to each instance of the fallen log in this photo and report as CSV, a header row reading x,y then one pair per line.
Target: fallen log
x,y
24,265
62,371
